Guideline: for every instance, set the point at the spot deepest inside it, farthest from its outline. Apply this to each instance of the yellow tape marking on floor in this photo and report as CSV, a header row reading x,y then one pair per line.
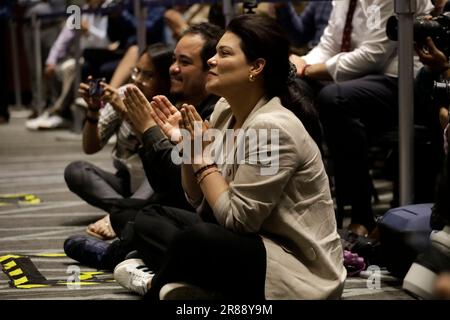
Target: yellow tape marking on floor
x,y
16,272
9,265
9,256
53,255
88,275
32,286
20,281
27,198
32,201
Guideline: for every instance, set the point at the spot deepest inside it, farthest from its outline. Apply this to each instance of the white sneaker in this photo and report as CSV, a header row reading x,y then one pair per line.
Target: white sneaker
x,y
134,275
33,124
80,101
53,122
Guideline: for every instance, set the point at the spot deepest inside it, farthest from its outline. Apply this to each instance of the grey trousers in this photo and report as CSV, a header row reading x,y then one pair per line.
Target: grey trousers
x,y
101,188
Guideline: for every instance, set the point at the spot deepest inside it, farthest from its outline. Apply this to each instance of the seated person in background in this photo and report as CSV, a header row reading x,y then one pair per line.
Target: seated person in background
x,y
436,68
61,64
272,230
179,18
440,6
122,28
306,28
431,112
354,71
94,185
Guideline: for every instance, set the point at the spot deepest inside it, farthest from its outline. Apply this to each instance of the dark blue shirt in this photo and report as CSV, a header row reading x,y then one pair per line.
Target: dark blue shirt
x,y
123,27
306,28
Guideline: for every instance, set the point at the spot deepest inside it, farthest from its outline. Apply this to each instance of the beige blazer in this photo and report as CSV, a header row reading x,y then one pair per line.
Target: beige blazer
x,y
289,205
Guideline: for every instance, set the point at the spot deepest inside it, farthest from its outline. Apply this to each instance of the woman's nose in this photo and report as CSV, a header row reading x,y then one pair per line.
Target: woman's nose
x,y
212,61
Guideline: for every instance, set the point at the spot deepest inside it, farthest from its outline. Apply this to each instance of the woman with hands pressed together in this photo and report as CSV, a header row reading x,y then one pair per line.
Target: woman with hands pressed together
x,y
272,230
107,116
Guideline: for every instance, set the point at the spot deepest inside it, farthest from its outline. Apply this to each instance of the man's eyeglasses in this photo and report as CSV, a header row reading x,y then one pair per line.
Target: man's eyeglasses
x,y
145,77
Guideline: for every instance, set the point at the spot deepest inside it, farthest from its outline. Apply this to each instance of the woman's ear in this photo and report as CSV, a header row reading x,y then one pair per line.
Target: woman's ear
x,y
257,66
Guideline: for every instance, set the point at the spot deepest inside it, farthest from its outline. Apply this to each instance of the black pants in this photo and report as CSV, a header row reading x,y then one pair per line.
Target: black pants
x,y
179,247
97,187
353,114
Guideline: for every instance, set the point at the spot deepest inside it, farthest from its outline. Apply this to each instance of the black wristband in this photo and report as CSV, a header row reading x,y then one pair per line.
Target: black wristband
x,y
91,119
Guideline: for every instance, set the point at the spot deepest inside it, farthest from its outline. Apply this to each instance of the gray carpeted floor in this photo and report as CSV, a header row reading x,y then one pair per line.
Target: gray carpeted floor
x,y
32,233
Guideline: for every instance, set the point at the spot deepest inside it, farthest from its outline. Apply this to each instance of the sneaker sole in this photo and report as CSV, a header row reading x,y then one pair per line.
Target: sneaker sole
x,y
184,291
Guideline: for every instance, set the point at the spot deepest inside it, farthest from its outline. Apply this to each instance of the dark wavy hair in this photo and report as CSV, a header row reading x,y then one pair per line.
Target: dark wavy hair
x,y
161,55
262,37
211,33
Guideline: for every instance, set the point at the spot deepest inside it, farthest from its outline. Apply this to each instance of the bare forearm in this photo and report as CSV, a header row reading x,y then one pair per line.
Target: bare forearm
x,y
213,186
211,183
189,182
91,140
318,71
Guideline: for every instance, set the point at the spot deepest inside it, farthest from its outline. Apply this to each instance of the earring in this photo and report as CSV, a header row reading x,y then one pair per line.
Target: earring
x,y
251,78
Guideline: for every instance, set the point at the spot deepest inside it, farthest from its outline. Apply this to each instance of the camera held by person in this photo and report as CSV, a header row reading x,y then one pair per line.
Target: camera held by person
x,y
437,28
95,88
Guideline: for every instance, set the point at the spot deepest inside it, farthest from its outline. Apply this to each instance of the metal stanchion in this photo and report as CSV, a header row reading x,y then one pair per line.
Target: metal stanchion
x,y
77,81
228,10
140,13
15,62
36,25
405,10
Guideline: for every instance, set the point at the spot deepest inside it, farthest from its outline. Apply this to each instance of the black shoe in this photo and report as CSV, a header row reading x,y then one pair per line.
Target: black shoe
x,y
86,250
133,255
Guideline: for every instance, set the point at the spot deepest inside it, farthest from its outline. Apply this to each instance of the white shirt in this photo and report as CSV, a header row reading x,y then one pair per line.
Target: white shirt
x,y
97,37
372,51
